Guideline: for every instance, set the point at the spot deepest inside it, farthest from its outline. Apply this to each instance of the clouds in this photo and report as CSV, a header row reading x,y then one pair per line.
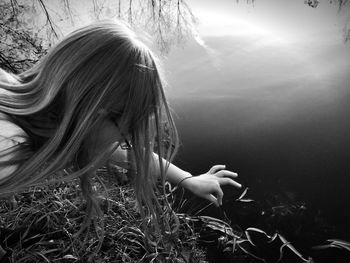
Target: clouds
x,y
255,73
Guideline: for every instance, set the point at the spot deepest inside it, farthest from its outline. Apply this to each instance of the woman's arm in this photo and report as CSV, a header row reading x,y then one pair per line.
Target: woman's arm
x,y
207,185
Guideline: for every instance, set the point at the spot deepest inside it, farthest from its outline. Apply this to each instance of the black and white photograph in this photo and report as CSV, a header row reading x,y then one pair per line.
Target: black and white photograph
x,y
184,131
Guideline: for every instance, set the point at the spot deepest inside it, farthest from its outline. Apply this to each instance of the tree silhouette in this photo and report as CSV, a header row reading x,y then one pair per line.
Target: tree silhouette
x,y
343,7
29,28
20,45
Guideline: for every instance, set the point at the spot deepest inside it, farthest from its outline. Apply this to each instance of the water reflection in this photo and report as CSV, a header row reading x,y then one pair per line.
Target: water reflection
x,y
280,121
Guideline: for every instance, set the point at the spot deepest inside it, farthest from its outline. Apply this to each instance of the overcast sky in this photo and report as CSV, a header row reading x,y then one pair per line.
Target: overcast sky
x,y
266,47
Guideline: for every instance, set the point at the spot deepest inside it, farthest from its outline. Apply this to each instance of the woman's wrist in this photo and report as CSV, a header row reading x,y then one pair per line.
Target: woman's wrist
x,y
184,181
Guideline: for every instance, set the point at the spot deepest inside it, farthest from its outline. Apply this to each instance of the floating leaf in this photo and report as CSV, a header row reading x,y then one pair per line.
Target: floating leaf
x,y
335,243
70,257
245,200
242,194
340,242
293,249
255,235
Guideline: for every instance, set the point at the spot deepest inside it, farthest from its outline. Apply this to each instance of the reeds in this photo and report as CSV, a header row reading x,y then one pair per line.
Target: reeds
x,y
43,225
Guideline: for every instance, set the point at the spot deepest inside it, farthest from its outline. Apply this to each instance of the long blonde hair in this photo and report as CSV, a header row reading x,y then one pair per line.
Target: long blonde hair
x,y
102,67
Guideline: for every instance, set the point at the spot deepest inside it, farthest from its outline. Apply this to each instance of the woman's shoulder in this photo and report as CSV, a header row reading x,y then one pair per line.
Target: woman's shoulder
x,y
10,132
7,77
11,135
8,129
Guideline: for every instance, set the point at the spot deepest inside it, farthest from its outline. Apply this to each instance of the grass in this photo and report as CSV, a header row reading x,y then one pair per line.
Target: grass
x,y
44,225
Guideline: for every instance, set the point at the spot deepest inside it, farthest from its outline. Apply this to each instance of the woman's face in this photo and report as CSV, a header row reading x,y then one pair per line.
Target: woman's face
x,y
102,136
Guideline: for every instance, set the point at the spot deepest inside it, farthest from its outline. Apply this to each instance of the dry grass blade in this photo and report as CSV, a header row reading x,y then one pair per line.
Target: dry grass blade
x,y
43,227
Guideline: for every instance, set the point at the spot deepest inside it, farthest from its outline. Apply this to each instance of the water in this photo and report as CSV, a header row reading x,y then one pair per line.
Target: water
x,y
278,114
306,153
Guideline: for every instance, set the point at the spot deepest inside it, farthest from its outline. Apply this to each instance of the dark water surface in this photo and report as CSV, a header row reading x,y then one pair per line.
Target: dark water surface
x,y
278,117
302,148
278,113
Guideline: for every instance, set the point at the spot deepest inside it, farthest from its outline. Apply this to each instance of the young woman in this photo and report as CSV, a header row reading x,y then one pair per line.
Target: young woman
x,y
97,88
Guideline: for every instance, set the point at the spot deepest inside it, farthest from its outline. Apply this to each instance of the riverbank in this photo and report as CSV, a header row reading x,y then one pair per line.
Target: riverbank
x,y
44,225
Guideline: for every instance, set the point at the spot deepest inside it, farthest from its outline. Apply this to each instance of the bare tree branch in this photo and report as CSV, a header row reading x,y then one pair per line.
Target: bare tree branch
x,y
6,64
130,12
48,18
69,10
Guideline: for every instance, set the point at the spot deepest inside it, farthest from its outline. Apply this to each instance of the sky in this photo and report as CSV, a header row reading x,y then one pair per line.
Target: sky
x,y
276,40
277,58
281,19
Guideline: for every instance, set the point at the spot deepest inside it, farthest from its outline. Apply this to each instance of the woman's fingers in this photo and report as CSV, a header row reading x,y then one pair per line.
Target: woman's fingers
x,y
216,168
219,195
226,173
208,185
215,200
228,181
216,196
212,199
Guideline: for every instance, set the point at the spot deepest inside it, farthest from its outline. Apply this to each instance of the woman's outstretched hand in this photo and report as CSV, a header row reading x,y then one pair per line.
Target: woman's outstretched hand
x,y
208,185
